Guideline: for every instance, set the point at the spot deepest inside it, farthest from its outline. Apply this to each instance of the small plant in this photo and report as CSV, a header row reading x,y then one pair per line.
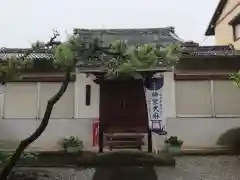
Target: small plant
x,y
26,156
29,156
4,156
72,144
173,141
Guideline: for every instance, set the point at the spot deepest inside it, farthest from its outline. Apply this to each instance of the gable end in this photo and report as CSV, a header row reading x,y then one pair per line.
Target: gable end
x,y
211,27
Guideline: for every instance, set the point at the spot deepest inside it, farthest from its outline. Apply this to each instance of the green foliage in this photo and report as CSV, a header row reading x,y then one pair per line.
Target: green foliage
x,y
11,68
134,59
173,141
27,156
72,142
64,56
38,45
4,156
119,60
236,78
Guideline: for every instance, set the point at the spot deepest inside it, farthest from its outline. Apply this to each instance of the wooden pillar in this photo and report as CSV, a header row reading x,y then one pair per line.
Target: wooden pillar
x,y
100,132
149,140
100,138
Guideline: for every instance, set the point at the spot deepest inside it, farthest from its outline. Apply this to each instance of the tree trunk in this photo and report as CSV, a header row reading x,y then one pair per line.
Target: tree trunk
x,y
26,142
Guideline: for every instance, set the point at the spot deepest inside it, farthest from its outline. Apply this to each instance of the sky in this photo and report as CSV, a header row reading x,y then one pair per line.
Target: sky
x,y
23,22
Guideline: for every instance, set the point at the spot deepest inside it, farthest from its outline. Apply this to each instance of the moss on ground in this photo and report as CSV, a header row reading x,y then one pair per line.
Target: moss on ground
x,y
126,159
91,159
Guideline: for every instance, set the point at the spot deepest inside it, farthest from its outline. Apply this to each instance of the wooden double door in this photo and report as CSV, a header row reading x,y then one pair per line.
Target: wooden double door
x,y
123,107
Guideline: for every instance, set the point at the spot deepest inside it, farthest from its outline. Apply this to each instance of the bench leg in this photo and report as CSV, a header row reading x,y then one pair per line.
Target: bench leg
x,y
149,140
100,150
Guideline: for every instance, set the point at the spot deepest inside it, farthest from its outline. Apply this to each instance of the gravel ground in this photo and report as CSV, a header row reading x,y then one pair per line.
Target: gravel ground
x,y
202,168
187,168
193,168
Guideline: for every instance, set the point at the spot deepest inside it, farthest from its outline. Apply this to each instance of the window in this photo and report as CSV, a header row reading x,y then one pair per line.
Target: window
x,y
235,23
64,108
193,99
88,95
236,32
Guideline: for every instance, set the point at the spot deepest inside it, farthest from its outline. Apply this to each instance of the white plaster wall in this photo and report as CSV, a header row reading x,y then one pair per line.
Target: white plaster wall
x,y
196,132
83,111
14,130
169,95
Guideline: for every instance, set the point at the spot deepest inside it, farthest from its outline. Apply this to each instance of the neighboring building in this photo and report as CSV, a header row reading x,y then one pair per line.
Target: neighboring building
x,y
225,23
199,101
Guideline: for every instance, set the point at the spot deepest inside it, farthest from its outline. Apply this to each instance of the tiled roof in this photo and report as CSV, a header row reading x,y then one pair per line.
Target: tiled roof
x,y
190,50
194,50
160,36
6,53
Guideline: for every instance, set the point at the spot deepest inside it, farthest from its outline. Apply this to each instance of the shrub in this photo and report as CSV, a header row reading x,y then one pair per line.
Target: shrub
x,y
72,142
173,141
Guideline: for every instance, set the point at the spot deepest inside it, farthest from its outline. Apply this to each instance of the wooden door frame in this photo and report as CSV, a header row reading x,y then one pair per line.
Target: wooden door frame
x,y
101,131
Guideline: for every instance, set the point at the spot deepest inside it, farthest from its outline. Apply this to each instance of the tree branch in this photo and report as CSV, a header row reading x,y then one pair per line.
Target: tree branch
x,y
26,142
87,52
45,120
53,41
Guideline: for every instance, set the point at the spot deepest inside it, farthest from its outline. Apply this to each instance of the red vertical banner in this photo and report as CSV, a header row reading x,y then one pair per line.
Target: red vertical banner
x,y
95,131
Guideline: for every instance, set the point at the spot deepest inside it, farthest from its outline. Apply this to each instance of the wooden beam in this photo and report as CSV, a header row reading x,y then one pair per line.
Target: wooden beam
x,y
199,77
43,77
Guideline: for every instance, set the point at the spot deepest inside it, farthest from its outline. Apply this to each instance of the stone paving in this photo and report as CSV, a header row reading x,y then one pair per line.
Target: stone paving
x,y
187,168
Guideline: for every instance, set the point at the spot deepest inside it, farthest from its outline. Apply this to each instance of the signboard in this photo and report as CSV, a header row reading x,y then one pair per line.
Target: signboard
x,y
154,97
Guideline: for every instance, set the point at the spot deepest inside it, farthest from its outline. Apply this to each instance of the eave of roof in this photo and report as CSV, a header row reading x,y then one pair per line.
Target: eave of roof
x,y
101,70
218,11
209,51
190,51
6,53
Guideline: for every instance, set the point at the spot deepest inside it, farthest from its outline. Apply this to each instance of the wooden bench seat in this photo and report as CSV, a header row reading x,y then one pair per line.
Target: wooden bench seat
x,y
124,141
